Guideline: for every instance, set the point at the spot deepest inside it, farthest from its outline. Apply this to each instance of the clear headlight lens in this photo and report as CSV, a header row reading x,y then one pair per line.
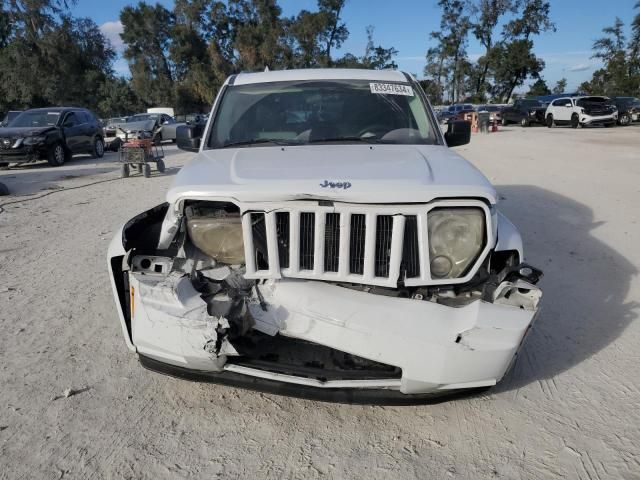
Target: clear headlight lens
x,y
218,237
34,140
456,238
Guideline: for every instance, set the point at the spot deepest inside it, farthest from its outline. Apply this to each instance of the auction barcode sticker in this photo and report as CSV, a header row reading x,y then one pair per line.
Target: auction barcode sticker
x,y
391,89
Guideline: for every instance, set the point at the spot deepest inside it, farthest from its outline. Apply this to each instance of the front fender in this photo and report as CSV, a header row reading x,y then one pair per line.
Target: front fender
x,y
508,236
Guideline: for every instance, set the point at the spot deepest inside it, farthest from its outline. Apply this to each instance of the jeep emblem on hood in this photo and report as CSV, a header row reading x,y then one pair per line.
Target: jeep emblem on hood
x,y
328,184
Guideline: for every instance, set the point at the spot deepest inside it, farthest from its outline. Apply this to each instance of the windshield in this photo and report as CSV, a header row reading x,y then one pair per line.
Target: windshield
x,y
142,117
35,119
531,103
304,112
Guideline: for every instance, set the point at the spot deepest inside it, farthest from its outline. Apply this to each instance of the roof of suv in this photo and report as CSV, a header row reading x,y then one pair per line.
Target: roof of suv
x,y
318,74
54,109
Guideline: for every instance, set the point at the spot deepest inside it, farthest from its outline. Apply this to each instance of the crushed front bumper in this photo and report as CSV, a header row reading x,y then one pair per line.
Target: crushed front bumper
x,y
22,154
438,348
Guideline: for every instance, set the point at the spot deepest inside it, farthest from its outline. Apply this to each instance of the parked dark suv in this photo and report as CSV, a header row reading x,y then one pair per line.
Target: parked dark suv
x,y
628,109
524,111
54,134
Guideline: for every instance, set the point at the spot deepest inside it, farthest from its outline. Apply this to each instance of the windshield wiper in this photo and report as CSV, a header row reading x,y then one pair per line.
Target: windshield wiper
x,y
256,141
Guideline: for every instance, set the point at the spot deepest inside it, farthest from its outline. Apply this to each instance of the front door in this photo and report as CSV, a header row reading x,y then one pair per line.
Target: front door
x,y
73,132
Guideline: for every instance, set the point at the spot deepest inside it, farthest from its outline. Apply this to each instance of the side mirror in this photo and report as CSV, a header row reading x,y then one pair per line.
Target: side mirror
x,y
458,133
188,137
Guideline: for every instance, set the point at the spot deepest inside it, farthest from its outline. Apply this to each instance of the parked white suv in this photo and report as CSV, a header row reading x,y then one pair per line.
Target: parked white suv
x,y
581,111
326,241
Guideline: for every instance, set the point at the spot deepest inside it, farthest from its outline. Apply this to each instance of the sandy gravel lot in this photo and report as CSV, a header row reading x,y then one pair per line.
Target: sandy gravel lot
x,y
569,409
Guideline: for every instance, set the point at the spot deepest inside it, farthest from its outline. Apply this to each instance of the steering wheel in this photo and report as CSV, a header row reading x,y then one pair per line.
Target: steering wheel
x,y
377,129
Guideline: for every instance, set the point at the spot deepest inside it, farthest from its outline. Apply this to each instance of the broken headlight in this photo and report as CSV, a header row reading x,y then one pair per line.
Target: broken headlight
x,y
217,233
456,238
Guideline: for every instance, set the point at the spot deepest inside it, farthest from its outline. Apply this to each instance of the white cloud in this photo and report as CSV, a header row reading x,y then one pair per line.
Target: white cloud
x,y
112,31
581,67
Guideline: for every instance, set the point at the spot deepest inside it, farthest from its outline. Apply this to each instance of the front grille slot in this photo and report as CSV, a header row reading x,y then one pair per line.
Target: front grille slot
x,y
307,240
259,229
356,244
331,242
410,266
384,229
282,230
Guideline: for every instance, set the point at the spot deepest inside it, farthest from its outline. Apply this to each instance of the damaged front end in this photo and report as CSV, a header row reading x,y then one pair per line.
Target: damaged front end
x,y
314,297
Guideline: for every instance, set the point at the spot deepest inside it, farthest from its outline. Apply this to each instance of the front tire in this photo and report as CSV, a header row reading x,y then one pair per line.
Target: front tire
x,y
524,122
624,119
504,122
575,121
124,170
160,166
550,122
146,170
56,155
98,148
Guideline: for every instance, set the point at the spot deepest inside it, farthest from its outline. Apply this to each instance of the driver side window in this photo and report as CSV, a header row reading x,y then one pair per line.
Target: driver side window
x,y
71,120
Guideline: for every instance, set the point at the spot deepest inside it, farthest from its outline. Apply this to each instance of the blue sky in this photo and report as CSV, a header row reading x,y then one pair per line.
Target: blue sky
x,y
405,25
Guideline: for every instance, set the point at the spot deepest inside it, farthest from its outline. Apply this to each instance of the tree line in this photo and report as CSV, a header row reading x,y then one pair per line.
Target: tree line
x,y
180,56
177,57
506,30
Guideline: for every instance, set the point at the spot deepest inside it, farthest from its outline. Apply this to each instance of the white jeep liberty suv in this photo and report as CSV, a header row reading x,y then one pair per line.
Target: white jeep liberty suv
x,y
325,242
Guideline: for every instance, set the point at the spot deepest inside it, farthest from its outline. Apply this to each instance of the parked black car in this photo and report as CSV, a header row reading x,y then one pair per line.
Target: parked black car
x,y
628,109
54,134
525,112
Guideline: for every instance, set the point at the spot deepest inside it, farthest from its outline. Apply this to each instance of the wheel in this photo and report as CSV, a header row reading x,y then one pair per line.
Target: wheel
x,y
550,123
504,122
124,170
98,148
3,190
575,121
56,155
146,170
524,122
160,165
138,167
624,119
4,165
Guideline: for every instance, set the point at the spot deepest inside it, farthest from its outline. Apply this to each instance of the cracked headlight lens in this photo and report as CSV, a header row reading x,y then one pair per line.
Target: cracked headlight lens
x,y
218,237
456,238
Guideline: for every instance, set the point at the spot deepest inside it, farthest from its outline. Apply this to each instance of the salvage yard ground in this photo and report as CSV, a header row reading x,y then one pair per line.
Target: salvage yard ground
x,y
75,404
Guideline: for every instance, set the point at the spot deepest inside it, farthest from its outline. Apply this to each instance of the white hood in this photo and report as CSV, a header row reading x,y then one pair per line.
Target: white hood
x,y
376,174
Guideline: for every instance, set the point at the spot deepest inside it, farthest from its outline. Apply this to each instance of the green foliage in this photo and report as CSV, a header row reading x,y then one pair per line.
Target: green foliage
x,y
539,88
620,73
177,57
508,61
560,87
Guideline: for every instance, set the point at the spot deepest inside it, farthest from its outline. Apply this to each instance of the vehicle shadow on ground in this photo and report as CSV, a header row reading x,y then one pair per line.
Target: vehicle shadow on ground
x,y
584,288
